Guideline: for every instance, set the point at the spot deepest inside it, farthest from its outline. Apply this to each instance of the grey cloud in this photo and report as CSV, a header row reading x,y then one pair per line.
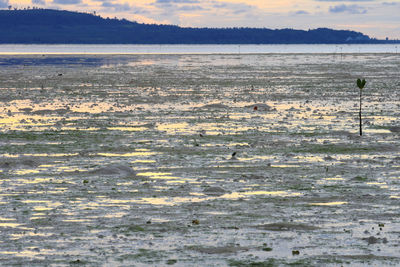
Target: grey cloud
x,y
38,2
233,7
182,5
116,7
4,3
122,7
390,3
190,8
171,6
239,11
171,10
301,12
67,2
352,9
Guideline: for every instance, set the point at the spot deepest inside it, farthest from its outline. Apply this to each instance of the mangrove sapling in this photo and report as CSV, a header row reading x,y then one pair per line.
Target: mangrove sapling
x,y
361,84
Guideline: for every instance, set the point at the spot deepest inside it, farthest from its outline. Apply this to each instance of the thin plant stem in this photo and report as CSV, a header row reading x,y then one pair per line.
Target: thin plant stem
x,y
360,112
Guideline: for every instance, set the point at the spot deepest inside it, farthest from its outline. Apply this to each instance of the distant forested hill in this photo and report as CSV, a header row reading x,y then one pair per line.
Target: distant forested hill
x,y
46,26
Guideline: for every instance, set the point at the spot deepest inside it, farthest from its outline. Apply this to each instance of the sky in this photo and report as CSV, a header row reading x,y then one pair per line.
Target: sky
x,y
376,18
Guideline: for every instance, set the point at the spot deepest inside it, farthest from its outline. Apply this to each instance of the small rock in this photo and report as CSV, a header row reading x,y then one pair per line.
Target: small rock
x,y
115,169
394,129
214,191
371,240
171,262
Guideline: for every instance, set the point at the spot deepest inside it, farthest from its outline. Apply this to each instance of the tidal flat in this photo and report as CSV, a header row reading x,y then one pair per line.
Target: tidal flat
x,y
199,160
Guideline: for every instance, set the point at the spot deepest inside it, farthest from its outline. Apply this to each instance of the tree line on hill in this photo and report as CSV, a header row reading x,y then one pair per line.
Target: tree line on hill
x,y
47,26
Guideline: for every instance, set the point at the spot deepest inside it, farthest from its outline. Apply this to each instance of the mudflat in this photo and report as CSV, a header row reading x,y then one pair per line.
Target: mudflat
x,y
199,160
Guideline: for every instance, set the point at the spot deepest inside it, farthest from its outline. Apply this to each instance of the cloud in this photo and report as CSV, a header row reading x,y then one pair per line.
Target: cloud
x,y
38,2
201,12
67,2
301,12
4,3
179,5
116,6
196,5
232,7
352,9
390,3
191,8
121,8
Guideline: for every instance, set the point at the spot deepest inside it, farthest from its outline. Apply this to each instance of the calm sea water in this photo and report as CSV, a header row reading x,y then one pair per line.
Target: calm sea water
x,y
196,49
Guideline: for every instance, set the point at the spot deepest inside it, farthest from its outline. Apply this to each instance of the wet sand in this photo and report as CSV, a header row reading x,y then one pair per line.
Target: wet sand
x,y
199,160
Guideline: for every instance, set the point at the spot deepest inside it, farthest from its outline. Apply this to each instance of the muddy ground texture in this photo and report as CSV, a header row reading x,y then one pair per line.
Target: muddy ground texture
x,y
199,160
